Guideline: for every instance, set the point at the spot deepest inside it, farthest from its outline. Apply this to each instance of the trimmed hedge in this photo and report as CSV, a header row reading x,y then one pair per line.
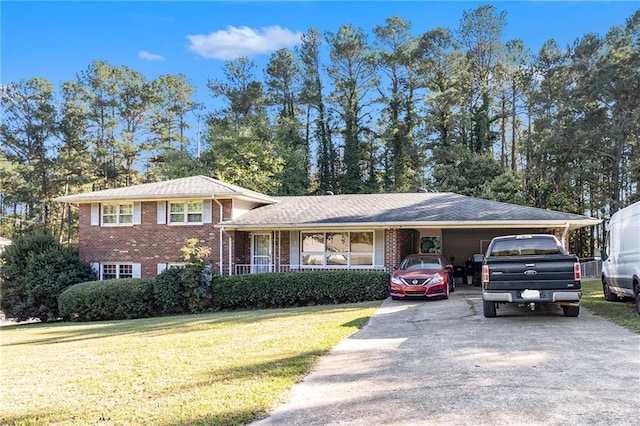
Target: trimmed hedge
x,y
278,290
108,300
182,291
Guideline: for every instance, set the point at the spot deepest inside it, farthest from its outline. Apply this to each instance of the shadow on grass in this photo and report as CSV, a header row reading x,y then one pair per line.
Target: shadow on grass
x,y
62,332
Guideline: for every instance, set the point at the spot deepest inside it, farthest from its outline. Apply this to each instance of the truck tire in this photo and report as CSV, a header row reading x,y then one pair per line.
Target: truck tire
x,y
571,311
489,309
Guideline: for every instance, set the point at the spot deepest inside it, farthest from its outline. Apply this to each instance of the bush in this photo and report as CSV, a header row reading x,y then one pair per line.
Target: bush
x,y
168,291
182,290
108,300
36,269
298,289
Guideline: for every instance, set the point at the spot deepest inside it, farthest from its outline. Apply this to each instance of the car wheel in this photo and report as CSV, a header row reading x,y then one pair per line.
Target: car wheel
x,y
608,295
638,302
489,309
571,311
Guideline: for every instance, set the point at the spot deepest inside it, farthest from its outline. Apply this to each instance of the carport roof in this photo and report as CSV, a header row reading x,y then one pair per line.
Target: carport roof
x,y
401,210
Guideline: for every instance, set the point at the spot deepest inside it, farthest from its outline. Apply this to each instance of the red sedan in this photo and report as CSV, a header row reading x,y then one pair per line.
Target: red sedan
x,y
422,275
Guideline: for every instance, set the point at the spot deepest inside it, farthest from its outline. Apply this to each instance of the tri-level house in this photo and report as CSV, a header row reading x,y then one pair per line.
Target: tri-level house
x,y
138,231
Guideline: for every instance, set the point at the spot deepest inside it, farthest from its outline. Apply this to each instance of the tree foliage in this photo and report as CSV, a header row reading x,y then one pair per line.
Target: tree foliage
x,y
35,270
450,109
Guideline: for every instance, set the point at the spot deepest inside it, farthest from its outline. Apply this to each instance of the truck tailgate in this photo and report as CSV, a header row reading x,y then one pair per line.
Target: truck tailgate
x,y
532,272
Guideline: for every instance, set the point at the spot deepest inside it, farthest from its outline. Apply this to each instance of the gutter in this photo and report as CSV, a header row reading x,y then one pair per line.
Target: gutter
x,y
567,225
220,254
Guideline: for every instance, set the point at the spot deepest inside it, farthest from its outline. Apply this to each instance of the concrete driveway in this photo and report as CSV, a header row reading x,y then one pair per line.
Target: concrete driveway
x,y
442,363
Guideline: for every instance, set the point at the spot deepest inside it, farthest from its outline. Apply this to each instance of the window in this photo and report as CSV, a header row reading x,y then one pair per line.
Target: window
x,y
185,212
337,249
111,271
117,214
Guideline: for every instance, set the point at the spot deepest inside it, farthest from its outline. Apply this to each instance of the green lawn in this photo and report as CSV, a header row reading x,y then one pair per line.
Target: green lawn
x,y
622,312
214,369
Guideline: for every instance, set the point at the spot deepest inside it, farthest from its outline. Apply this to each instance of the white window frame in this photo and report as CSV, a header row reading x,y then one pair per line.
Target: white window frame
x,y
161,267
324,254
121,270
261,267
118,214
185,213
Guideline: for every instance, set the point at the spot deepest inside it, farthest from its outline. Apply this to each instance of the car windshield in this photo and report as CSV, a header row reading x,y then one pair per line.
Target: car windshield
x,y
421,263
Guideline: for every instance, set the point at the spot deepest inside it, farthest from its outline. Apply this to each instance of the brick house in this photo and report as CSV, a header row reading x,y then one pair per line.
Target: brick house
x,y
138,231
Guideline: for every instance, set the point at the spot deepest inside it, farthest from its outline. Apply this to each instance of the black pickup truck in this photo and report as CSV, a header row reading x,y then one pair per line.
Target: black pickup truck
x,y
529,270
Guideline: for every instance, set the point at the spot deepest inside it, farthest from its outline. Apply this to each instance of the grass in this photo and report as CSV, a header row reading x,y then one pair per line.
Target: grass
x,y
215,369
622,312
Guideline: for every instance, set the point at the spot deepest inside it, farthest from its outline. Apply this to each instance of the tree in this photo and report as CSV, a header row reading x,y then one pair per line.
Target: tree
x,y
27,134
399,121
283,93
480,34
172,101
35,270
241,148
353,72
317,127
444,68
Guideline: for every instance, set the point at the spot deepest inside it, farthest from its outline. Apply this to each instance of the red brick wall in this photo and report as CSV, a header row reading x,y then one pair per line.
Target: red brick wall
x,y
241,248
399,243
149,243
282,253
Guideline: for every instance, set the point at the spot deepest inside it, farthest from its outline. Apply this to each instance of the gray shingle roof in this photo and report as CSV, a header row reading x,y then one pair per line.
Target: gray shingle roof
x,y
188,187
401,209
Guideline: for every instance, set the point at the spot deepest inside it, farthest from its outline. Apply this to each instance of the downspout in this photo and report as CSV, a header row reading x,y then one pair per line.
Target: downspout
x,y
564,236
221,259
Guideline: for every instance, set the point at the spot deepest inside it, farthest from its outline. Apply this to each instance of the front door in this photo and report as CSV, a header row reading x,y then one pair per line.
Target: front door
x,y
260,253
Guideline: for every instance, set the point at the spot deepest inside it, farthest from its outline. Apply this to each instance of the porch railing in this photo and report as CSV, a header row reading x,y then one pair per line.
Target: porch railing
x,y
242,269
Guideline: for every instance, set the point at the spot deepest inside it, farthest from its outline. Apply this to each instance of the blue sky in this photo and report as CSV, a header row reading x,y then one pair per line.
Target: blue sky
x,y
56,39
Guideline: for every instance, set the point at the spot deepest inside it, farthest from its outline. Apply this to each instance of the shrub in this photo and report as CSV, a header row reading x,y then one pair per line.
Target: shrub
x,y
298,289
36,269
108,300
168,291
182,290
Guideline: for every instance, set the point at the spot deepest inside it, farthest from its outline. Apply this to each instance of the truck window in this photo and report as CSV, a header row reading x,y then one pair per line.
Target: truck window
x,y
529,247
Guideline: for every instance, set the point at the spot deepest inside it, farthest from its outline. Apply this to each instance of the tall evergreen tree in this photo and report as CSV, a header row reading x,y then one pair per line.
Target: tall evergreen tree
x,y
317,127
283,93
28,134
399,119
353,73
241,148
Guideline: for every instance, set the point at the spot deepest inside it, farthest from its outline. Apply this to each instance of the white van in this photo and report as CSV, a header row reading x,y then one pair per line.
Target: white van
x,y
621,264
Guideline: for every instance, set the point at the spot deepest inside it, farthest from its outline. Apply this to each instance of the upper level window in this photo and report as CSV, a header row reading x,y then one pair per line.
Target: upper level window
x,y
185,212
117,214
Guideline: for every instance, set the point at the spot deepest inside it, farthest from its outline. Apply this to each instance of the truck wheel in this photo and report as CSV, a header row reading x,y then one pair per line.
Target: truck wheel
x,y
571,311
489,309
608,295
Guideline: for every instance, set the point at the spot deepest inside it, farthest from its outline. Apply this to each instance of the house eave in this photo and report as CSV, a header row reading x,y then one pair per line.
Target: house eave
x,y
161,197
507,224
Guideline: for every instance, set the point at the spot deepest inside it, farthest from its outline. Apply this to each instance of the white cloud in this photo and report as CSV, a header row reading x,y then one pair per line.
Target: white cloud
x,y
150,56
243,41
